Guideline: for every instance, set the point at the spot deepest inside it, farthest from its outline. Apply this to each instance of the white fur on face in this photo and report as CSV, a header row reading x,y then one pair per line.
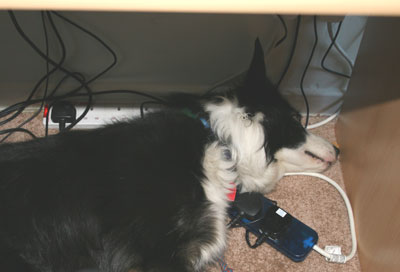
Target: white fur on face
x,y
245,138
315,155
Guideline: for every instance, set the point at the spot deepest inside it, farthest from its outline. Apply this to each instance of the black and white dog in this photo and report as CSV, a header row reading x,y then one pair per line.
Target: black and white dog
x,y
150,194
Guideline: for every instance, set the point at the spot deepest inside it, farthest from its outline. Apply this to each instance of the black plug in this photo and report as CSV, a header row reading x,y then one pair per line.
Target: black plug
x,y
63,112
250,204
247,205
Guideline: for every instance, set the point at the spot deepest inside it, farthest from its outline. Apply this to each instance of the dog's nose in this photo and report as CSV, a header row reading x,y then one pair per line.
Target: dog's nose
x,y
337,151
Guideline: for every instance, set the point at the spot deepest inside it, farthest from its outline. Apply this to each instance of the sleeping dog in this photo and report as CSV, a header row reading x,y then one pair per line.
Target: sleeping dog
x,y
150,194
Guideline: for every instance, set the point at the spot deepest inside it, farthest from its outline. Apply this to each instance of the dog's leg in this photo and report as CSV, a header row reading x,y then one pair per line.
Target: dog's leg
x,y
10,261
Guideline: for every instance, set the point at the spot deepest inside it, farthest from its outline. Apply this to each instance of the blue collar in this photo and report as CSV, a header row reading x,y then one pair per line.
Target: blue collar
x,y
205,123
190,114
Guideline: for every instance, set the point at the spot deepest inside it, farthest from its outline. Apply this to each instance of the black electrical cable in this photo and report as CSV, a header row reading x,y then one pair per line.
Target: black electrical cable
x,y
306,69
235,223
34,47
73,75
10,109
327,52
281,40
17,129
293,49
21,105
114,61
13,130
109,49
41,54
76,77
51,97
62,80
57,99
110,66
258,242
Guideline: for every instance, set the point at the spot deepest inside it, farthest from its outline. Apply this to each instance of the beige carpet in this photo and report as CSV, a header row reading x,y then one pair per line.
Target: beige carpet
x,y
313,201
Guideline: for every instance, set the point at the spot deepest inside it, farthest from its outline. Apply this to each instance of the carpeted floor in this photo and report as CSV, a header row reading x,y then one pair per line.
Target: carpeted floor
x,y
313,201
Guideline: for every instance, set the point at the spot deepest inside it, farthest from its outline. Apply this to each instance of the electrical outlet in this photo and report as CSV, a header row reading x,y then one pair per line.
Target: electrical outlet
x,y
99,116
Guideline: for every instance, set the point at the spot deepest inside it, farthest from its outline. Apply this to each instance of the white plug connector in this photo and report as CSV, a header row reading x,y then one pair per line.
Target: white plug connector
x,y
333,250
333,253
336,254
335,258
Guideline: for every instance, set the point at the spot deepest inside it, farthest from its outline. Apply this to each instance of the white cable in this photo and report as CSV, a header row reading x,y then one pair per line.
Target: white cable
x,y
323,122
321,251
335,257
339,48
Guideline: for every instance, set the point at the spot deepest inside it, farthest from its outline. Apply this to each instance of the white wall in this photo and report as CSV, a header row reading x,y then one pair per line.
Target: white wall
x,y
165,52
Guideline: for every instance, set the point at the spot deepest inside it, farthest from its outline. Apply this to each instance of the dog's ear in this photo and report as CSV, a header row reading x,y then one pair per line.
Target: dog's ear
x,y
256,79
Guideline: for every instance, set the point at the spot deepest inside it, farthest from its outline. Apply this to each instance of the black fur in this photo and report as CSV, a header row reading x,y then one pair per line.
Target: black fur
x,y
282,125
120,197
125,196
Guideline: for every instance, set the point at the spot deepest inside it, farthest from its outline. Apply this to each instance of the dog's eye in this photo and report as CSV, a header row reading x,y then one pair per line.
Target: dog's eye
x,y
250,115
247,116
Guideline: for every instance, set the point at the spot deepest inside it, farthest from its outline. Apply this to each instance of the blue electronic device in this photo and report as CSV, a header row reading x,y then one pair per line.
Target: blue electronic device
x,y
271,224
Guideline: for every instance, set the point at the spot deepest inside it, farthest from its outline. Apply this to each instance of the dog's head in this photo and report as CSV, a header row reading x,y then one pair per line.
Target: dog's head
x,y
265,133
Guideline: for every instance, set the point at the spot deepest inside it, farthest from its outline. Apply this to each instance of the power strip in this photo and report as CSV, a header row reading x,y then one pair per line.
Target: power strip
x,y
101,115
